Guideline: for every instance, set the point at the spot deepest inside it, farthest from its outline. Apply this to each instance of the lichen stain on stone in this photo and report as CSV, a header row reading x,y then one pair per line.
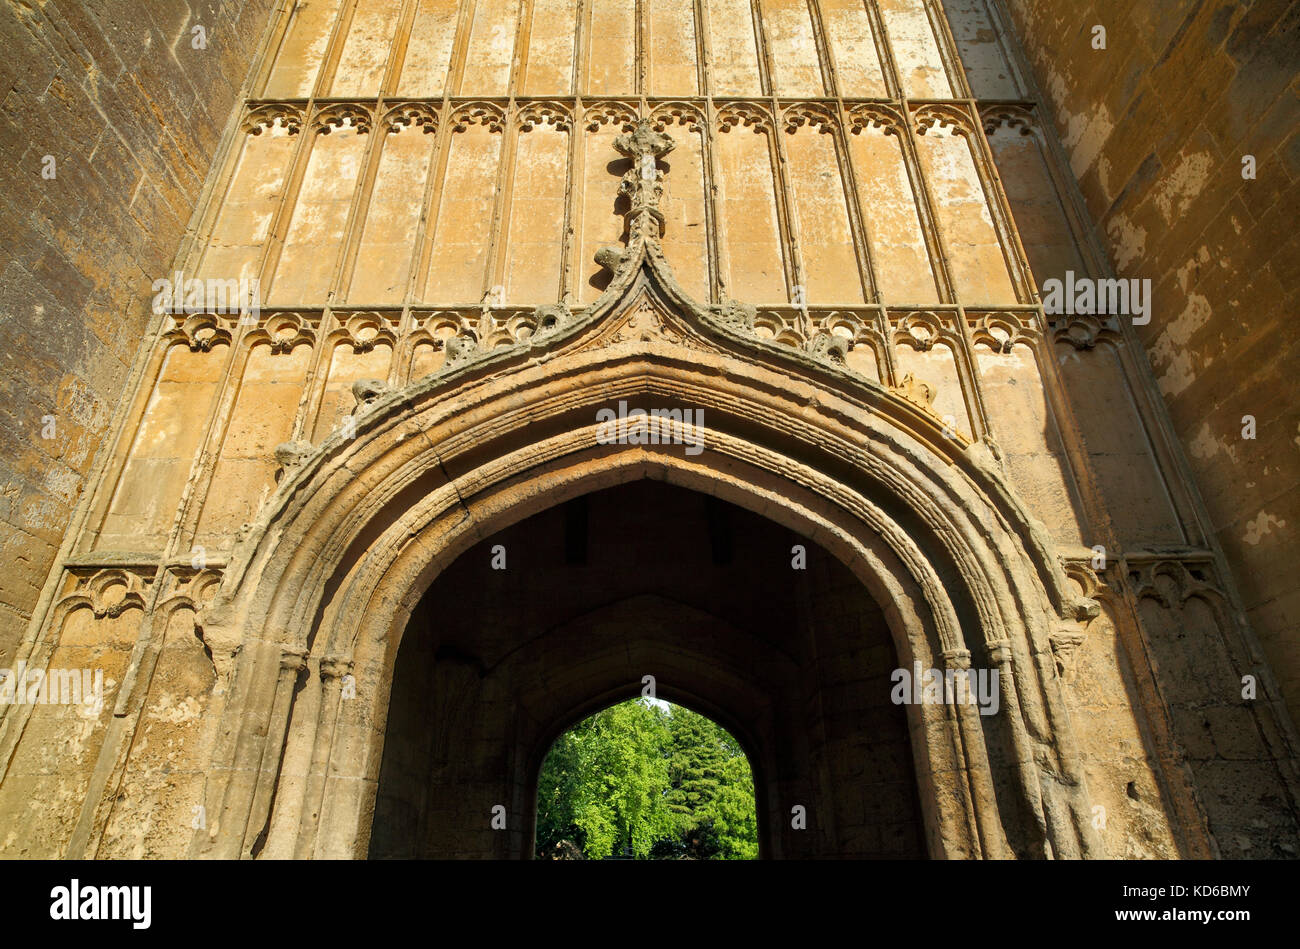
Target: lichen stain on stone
x,y
1205,445
1175,192
1085,136
1261,525
1128,240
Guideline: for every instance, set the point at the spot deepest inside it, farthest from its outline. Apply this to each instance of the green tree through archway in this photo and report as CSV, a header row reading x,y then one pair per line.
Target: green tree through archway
x,y
646,780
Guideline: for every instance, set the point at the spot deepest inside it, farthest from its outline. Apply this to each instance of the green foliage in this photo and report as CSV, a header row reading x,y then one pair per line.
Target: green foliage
x,y
636,780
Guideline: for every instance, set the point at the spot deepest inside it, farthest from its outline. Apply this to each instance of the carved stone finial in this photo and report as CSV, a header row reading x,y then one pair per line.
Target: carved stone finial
x,y
366,391
956,658
643,183
644,140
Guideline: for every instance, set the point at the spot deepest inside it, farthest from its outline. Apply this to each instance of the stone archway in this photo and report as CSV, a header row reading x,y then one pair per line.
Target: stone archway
x,y
332,585
639,580
320,590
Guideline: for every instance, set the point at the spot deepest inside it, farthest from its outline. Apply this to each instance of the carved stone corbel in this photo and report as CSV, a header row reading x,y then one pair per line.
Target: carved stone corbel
x,y
291,456
367,391
613,257
916,391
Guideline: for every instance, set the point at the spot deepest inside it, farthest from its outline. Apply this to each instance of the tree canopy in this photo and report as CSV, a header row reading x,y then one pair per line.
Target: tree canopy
x,y
646,781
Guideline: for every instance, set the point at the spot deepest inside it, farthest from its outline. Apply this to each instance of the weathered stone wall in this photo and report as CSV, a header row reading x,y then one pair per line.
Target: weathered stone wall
x,y
875,182
131,115
1156,127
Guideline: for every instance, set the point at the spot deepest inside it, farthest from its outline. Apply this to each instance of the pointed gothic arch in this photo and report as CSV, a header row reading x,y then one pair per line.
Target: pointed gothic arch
x,y
361,525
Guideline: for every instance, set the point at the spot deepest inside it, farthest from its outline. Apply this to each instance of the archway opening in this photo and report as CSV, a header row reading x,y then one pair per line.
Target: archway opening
x,y
646,779
569,611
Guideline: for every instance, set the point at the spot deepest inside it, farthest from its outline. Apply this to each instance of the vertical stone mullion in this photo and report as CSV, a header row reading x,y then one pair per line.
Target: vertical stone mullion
x,y
888,67
266,67
824,60
494,271
787,216
641,54
284,212
418,280
216,194
397,52
703,53
460,49
968,371
947,46
1011,54
1000,210
334,49
119,739
120,452
708,139
571,185
925,206
337,291
315,380
577,75
185,527
586,13
857,220
519,60
767,83
399,366
574,212
1079,467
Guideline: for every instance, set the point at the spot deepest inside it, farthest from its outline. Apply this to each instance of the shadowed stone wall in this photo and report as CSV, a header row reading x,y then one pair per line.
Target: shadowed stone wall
x,y
131,115
1156,127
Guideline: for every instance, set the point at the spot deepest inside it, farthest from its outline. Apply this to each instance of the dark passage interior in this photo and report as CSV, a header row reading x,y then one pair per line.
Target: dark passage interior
x,y
645,579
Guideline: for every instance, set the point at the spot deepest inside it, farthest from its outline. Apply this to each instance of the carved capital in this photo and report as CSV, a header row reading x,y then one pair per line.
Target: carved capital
x,y
1000,652
293,659
956,658
1066,640
334,667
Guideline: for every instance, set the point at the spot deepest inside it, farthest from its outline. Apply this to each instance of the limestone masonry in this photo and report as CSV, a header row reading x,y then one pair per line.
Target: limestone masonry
x,y
390,384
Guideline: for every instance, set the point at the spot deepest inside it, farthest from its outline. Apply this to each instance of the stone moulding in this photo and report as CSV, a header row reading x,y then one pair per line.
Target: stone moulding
x,y
866,472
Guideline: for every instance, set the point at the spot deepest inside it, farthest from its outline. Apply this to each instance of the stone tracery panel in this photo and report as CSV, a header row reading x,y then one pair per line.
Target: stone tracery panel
x,y
450,219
